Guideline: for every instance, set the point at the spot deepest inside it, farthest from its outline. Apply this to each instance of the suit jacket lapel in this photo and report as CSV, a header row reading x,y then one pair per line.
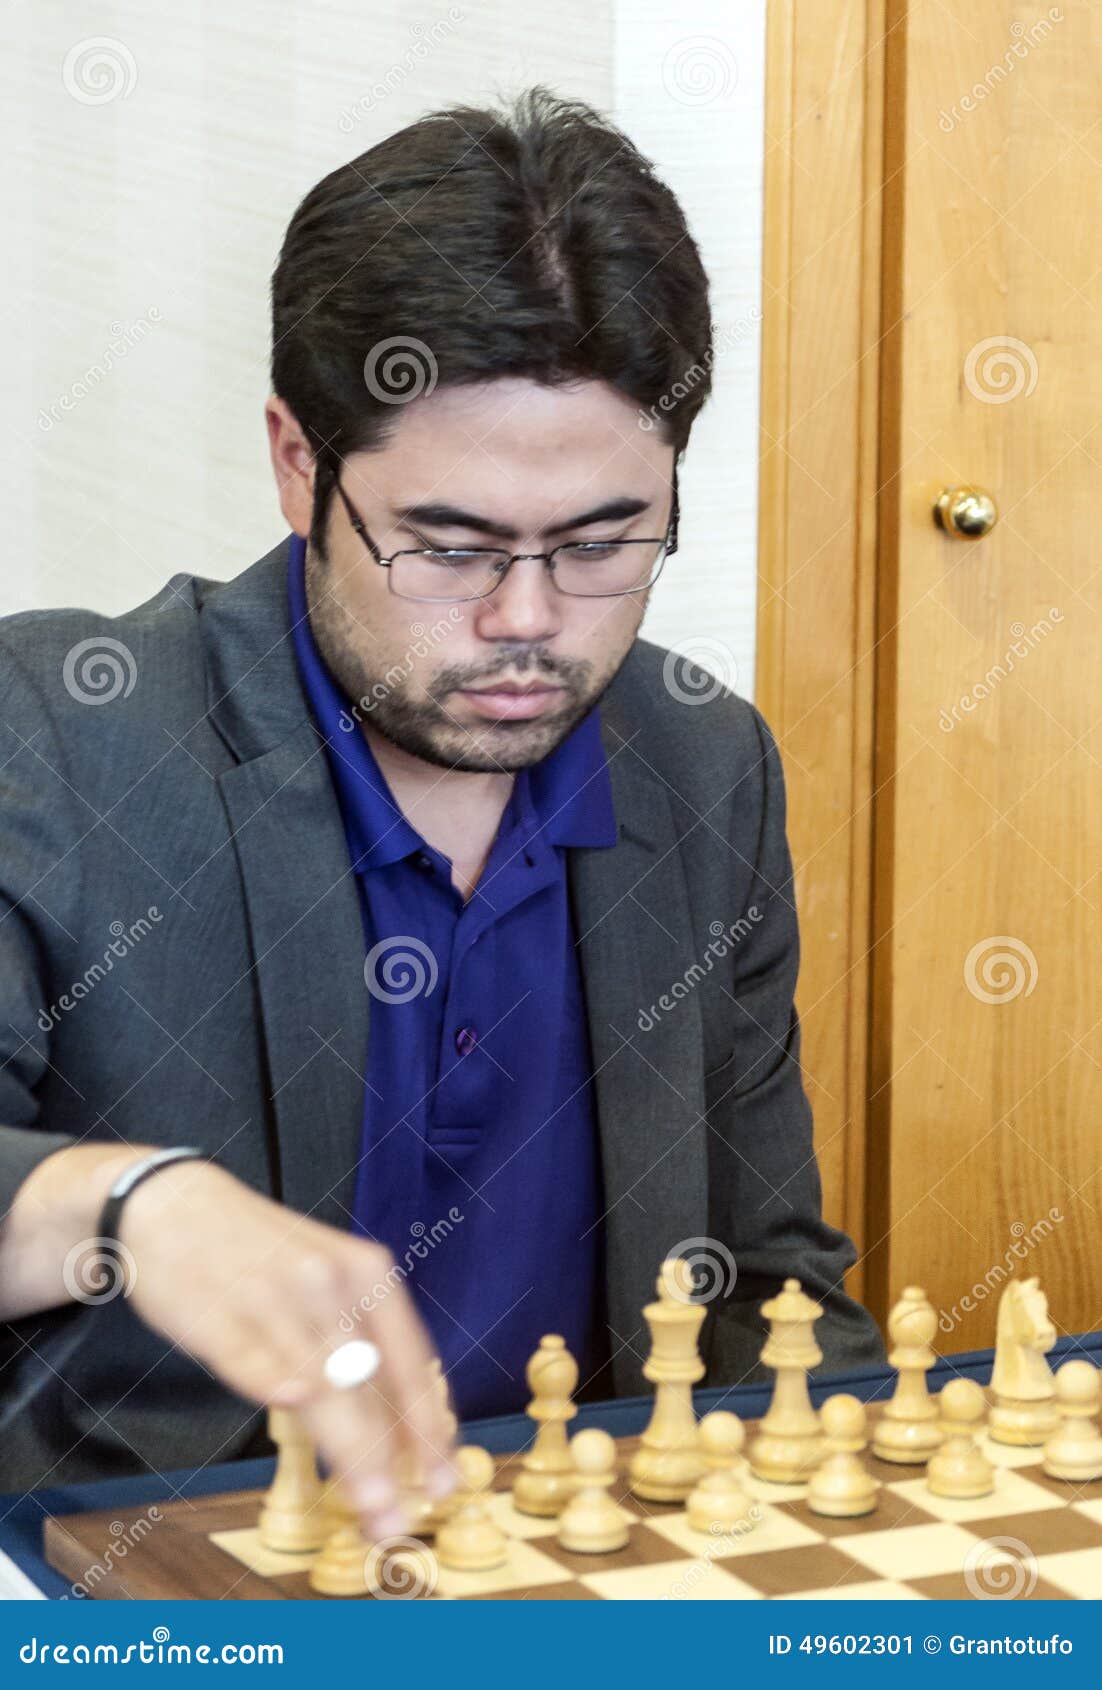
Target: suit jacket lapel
x,y
303,904
632,922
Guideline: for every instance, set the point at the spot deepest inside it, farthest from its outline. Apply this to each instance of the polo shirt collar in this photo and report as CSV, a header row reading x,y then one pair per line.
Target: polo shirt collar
x,y
566,798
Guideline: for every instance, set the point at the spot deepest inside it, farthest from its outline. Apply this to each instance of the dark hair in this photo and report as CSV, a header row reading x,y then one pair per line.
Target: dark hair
x,y
532,242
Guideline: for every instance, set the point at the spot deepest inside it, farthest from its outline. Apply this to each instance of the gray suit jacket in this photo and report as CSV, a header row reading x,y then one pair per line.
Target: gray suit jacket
x,y
181,961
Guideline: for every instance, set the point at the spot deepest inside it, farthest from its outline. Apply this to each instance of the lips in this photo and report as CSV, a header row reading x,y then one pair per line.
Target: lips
x,y
512,700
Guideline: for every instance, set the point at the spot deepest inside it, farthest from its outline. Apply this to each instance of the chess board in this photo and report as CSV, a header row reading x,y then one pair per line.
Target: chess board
x,y
1033,1537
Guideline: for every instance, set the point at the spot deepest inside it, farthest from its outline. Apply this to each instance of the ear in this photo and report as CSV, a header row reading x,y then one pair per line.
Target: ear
x,y
292,464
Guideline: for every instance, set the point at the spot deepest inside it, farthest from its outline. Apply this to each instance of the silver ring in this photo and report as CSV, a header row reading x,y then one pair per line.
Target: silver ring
x,y
351,1365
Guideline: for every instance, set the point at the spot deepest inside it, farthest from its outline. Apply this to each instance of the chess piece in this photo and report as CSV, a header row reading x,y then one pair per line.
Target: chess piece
x,y
471,1541
342,1567
908,1429
841,1486
431,1517
789,1444
667,1463
416,1504
293,1517
546,1478
718,1502
959,1468
1024,1409
1074,1451
591,1523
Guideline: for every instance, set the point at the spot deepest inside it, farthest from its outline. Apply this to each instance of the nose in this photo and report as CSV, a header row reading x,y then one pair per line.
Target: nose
x,y
525,606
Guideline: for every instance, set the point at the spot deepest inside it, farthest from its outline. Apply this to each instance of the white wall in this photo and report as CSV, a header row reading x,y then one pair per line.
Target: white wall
x,y
154,152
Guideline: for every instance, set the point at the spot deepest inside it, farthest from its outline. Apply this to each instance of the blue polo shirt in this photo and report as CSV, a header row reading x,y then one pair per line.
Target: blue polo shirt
x,y
479,1165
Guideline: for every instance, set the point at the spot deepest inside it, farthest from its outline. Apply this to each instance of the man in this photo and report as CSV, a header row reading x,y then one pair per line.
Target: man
x,y
396,881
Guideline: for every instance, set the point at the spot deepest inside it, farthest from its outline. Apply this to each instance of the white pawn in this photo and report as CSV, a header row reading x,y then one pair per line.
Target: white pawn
x,y
959,1468
342,1567
841,1486
591,1523
470,1541
718,1502
293,1517
1074,1451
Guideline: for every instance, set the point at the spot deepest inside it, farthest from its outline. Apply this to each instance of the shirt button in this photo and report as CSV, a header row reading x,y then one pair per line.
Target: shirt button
x,y
423,860
465,1040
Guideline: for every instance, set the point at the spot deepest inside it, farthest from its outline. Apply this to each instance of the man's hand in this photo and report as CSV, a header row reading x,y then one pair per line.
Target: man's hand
x,y
258,1292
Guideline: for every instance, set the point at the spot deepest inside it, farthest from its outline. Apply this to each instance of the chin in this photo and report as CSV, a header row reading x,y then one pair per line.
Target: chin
x,y
504,745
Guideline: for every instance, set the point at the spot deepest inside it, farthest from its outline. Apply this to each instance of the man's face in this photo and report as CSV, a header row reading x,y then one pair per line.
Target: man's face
x,y
508,464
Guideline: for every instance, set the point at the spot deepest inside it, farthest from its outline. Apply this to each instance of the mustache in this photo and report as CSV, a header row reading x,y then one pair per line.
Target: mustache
x,y
522,661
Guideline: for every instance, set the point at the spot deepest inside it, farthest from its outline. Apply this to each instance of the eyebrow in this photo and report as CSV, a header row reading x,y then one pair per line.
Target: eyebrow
x,y
453,516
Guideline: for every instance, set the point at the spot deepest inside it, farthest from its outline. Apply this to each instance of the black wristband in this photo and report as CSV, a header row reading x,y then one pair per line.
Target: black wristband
x,y
133,1176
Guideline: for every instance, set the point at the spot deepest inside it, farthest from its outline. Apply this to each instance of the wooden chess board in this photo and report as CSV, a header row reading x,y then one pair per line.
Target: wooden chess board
x,y
1033,1537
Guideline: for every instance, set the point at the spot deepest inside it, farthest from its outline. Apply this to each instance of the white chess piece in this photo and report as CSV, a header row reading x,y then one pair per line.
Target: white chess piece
x,y
959,1468
341,1569
429,1519
789,1443
546,1479
841,1486
293,1515
471,1541
1022,1386
592,1523
719,1503
907,1429
667,1463
1074,1451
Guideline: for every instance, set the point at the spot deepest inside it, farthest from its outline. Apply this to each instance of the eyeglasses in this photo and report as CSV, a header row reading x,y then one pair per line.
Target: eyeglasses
x,y
589,569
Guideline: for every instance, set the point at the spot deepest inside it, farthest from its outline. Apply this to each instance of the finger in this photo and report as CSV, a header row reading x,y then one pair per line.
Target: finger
x,y
421,1420
354,1428
244,1357
423,1427
352,1431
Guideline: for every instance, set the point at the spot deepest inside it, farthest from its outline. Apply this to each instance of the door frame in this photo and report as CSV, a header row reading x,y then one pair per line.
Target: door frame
x,y
829,471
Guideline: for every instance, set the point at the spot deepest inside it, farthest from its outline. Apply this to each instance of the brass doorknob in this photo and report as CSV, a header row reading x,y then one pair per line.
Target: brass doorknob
x,y
968,513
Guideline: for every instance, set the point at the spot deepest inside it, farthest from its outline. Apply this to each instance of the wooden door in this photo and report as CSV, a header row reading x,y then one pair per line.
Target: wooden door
x,y
931,320
985,1123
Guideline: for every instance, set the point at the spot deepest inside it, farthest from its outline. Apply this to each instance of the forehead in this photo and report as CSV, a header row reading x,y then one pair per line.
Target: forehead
x,y
509,441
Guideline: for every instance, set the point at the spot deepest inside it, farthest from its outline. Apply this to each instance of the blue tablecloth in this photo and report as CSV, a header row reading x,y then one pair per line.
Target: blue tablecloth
x,y
21,1517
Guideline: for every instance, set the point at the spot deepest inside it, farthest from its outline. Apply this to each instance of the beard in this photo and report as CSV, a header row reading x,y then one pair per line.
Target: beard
x,y
422,724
